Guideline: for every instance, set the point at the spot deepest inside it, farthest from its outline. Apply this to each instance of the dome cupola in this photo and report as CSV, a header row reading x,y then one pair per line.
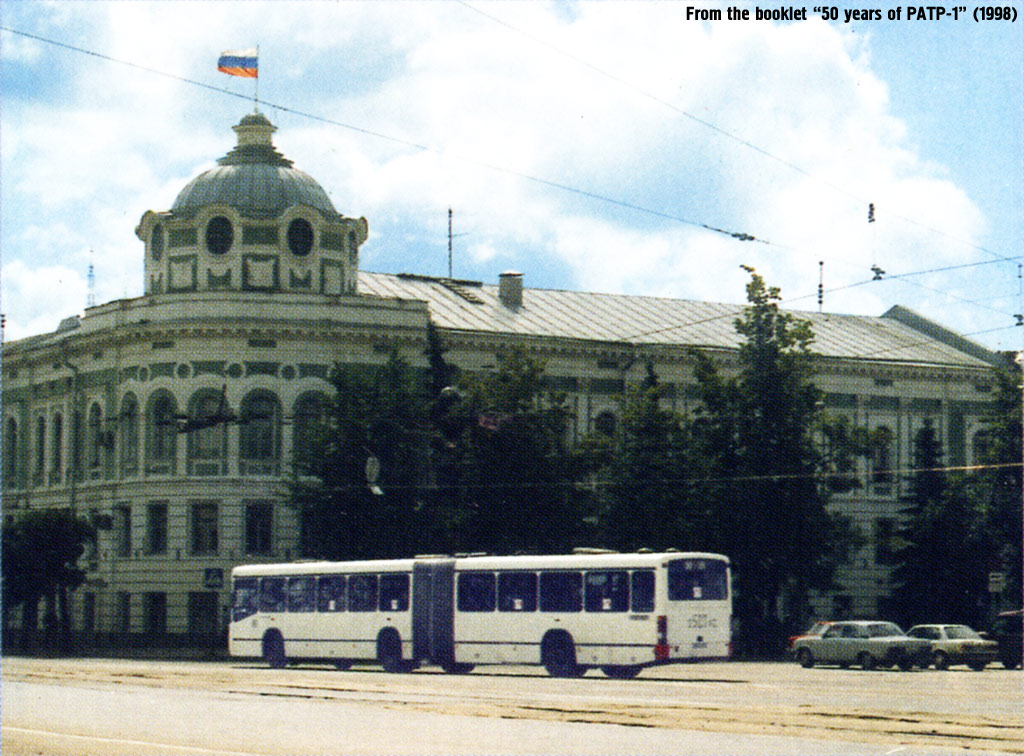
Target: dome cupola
x,y
254,178
252,223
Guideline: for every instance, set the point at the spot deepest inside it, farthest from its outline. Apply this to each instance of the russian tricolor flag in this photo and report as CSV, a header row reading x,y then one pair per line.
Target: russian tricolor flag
x,y
240,62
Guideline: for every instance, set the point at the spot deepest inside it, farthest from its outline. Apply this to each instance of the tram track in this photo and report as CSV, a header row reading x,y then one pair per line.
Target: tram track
x,y
660,703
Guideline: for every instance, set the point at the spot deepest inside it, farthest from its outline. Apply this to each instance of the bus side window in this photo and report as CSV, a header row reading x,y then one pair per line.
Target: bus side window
x,y
642,600
476,592
394,592
331,593
301,594
273,594
517,591
607,591
243,601
362,593
561,591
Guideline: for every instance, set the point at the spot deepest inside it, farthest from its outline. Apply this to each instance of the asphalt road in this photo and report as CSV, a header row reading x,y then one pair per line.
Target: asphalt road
x,y
145,707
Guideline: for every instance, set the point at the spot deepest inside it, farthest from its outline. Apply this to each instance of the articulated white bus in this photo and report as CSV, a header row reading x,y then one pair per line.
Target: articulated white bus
x,y
618,612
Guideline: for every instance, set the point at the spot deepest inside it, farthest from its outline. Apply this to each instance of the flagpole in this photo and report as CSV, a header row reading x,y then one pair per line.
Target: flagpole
x,y
256,85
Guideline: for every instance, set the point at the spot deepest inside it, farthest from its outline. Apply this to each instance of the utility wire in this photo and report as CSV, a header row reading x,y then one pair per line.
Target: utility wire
x,y
713,127
739,235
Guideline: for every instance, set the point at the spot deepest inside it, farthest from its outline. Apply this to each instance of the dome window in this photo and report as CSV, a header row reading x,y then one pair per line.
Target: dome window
x,y
219,235
300,237
156,241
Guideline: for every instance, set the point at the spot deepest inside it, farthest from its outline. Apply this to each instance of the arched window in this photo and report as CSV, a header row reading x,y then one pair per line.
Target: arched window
x,y
308,419
981,446
207,436
161,433
10,469
76,445
259,439
95,440
882,457
57,448
39,473
128,427
605,424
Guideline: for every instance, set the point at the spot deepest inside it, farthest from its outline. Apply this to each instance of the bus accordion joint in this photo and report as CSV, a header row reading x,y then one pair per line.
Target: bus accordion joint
x,y
661,647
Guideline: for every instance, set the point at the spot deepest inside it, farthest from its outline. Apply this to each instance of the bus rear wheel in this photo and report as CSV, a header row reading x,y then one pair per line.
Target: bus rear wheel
x,y
389,652
558,655
622,671
273,649
455,668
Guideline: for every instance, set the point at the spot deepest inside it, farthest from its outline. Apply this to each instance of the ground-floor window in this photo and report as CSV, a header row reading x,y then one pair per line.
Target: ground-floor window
x,y
124,612
258,527
203,610
204,527
155,610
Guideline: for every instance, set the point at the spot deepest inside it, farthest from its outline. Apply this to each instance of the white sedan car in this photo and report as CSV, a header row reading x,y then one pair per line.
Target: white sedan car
x,y
956,644
862,642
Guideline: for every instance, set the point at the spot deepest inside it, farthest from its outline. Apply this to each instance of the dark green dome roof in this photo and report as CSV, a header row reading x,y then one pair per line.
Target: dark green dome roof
x,y
253,178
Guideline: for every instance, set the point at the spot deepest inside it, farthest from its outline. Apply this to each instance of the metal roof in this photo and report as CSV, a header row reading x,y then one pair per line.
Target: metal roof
x,y
254,189
254,178
629,319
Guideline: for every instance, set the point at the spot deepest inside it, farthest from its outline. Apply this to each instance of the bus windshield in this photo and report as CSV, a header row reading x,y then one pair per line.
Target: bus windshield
x,y
697,580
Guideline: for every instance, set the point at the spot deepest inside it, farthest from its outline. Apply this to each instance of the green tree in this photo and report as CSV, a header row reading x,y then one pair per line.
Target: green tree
x,y
940,565
646,493
761,435
999,483
516,478
380,415
41,549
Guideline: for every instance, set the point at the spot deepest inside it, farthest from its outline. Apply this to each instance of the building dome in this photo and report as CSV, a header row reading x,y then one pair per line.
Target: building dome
x,y
254,178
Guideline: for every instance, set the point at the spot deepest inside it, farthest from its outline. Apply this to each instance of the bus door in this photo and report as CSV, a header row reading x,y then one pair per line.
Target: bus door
x,y
433,611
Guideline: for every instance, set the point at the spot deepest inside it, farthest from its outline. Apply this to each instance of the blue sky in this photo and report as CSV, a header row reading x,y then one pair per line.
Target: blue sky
x,y
585,144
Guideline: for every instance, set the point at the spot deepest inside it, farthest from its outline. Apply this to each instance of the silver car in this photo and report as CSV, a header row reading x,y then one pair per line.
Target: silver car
x,y
956,644
862,642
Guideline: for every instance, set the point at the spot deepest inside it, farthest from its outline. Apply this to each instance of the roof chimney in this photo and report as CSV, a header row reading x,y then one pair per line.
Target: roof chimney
x,y
510,289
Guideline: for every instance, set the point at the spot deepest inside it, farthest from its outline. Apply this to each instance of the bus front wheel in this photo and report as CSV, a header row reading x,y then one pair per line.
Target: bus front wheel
x,y
273,649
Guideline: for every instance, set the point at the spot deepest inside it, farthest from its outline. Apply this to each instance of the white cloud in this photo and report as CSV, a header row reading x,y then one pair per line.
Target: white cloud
x,y
490,103
37,298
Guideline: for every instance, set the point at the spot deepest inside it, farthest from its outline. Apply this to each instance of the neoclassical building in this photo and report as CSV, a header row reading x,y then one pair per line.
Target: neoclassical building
x,y
170,418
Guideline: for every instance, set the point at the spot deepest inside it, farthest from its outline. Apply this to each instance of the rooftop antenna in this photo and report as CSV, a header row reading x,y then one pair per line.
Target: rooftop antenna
x,y
1020,299
449,242
821,283
91,299
878,272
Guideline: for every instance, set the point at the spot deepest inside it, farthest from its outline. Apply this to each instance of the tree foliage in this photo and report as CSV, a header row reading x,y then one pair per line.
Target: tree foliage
x,y
940,571
41,549
1000,481
646,501
516,477
380,415
760,432
477,466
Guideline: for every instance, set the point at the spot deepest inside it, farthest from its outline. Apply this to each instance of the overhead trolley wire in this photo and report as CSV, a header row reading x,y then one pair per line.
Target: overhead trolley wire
x,y
739,235
714,127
